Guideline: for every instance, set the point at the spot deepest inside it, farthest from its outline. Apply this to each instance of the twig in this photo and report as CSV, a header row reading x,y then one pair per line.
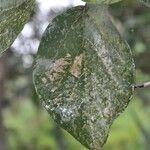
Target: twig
x,y
146,84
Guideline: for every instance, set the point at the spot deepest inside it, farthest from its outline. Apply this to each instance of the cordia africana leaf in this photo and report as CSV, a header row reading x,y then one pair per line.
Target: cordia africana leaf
x,y
8,4
145,2
13,16
102,1
83,73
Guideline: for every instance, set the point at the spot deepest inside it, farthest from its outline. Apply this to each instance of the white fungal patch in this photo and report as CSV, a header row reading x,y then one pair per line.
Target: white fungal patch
x,y
67,113
47,107
44,80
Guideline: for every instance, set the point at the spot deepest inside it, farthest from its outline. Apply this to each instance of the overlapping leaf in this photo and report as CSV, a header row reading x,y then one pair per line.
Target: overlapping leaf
x,y
102,1
13,16
146,2
83,73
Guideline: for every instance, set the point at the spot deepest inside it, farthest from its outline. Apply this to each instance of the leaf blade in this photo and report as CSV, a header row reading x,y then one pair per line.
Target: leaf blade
x,y
84,87
108,2
13,17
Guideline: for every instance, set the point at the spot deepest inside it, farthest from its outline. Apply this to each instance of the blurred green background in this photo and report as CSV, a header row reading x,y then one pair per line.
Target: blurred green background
x,y
24,125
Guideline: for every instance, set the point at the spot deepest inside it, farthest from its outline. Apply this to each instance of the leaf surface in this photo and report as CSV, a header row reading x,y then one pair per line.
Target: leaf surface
x,y
83,73
13,16
102,1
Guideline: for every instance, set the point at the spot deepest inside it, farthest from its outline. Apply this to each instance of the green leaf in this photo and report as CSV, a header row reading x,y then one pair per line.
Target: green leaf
x,y
145,2
102,1
13,16
83,73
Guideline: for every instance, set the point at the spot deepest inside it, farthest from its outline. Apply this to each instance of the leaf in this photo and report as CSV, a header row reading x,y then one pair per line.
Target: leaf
x,y
102,1
145,2
13,16
83,73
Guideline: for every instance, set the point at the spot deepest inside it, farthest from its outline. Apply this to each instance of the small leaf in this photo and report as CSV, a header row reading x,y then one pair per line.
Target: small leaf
x,y
102,1
145,2
83,73
13,16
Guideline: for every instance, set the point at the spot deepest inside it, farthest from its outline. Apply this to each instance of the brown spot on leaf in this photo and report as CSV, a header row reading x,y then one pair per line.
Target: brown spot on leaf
x,y
60,64
76,67
59,67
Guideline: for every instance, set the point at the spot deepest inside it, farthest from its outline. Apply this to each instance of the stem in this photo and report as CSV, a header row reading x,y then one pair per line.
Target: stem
x,y
146,84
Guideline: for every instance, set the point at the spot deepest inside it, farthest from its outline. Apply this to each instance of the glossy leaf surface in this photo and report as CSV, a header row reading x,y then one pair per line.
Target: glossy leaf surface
x,y
83,73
